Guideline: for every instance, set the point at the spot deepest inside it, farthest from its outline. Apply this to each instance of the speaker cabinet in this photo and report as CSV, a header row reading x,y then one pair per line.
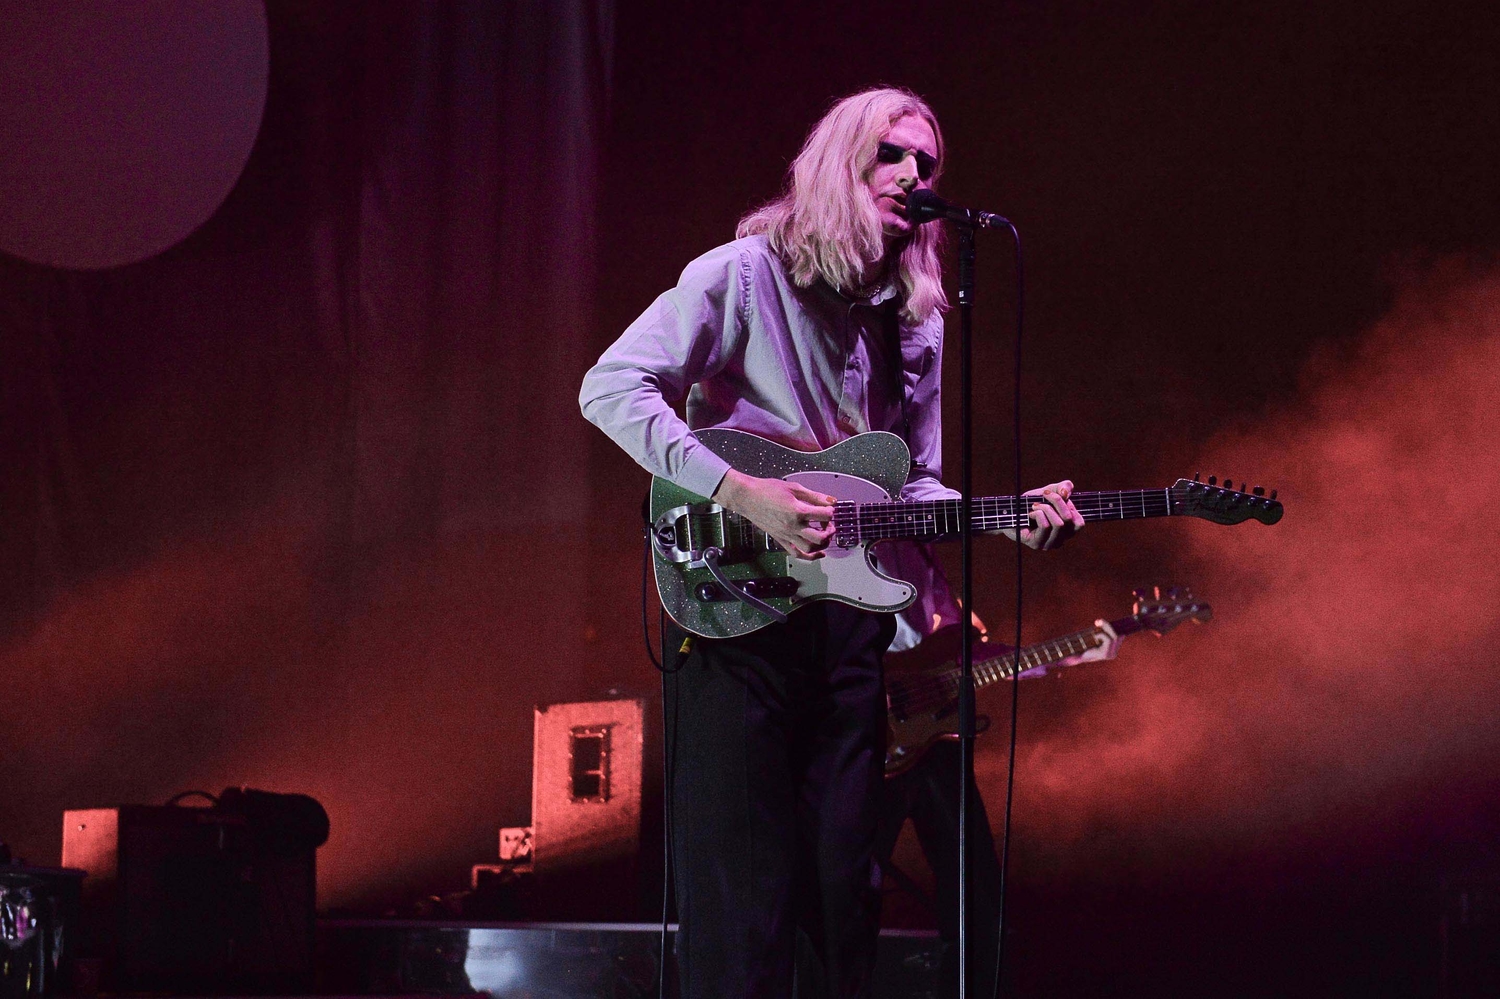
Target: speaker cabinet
x,y
191,899
586,805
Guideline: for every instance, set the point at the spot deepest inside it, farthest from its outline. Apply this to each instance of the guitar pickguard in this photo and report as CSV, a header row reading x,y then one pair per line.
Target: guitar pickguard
x,y
847,574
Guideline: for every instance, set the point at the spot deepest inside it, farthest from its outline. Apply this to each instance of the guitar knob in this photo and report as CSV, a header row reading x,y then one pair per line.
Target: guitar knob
x,y
1259,490
1213,480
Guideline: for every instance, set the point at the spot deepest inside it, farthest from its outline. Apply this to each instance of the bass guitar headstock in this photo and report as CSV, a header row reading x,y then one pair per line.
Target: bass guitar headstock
x,y
1161,609
1224,504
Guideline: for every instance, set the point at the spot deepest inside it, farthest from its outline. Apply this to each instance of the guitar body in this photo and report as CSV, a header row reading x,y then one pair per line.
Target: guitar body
x,y
920,712
907,741
868,468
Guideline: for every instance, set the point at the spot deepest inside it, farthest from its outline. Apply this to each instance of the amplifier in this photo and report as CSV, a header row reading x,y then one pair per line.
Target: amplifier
x,y
586,807
195,899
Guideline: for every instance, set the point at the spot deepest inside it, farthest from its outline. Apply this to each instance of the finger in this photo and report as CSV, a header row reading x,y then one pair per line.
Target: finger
x,y
795,549
810,496
812,507
818,515
1067,512
1046,516
815,539
1033,538
1063,489
1048,523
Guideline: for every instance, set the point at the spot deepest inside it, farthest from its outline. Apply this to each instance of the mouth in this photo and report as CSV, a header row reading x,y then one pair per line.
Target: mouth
x,y
900,202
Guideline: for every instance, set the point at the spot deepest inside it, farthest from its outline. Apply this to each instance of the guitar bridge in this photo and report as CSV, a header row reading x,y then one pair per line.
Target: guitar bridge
x,y
683,533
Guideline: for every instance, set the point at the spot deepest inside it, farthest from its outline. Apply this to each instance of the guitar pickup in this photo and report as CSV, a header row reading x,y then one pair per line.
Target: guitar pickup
x,y
764,589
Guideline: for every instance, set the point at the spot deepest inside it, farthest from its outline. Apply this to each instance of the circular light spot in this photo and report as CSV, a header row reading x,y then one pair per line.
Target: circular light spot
x,y
123,126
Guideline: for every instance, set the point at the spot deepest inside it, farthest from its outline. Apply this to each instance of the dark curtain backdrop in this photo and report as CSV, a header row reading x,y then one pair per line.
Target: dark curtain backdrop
x,y
296,503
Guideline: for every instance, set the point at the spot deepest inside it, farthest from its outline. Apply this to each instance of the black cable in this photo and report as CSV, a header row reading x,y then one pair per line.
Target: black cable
x,y
667,743
966,721
645,588
668,752
1015,676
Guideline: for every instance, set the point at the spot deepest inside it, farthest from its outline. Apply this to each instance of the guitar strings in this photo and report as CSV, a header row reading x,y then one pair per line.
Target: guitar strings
x,y
929,691
876,521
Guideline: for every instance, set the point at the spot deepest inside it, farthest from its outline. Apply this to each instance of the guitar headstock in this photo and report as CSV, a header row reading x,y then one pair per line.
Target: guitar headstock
x,y
1162,609
1224,504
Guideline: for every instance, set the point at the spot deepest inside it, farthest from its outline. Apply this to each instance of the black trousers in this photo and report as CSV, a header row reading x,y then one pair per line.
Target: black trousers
x,y
928,795
776,742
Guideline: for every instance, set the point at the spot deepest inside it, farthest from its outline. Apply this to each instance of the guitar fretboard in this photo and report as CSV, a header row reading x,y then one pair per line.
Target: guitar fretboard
x,y
858,522
928,691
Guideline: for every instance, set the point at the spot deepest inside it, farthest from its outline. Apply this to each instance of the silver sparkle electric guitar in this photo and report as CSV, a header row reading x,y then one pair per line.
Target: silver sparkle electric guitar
x,y
719,575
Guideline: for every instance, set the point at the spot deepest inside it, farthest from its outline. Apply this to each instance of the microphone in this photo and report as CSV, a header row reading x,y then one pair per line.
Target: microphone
x,y
923,206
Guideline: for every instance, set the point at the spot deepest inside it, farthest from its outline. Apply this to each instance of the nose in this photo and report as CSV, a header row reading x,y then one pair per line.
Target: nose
x,y
906,173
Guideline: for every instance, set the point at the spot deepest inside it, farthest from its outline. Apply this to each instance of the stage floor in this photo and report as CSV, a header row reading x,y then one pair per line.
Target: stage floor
x,y
368,957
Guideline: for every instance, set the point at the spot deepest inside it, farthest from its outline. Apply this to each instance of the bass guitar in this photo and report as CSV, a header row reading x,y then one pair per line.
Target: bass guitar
x,y
921,684
719,575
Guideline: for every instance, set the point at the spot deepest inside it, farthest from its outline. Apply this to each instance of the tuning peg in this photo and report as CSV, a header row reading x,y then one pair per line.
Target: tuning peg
x,y
1273,494
1138,594
1195,476
1213,480
1173,593
1259,490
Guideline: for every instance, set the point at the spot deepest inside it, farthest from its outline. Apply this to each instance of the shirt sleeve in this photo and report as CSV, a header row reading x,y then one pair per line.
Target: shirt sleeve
x,y
925,412
685,336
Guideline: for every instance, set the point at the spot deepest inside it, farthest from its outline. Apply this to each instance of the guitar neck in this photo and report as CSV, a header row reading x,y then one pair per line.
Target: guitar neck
x,y
935,518
991,665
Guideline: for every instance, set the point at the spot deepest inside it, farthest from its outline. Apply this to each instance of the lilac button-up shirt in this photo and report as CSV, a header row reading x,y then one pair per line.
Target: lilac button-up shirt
x,y
804,367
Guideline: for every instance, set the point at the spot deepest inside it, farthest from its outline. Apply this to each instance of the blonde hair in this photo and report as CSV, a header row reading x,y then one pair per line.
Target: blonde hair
x,y
825,224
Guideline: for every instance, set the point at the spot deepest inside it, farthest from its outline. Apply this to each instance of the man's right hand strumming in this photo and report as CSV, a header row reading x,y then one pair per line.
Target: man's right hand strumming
x,y
797,518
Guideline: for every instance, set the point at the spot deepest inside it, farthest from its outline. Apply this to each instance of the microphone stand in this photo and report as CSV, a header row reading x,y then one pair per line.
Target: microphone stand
x,y
926,207
966,718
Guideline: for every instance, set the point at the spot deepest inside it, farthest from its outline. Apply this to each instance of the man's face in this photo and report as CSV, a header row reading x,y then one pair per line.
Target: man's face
x,y
904,160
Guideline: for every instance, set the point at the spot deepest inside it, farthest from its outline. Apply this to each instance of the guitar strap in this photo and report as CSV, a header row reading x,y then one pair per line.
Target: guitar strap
x,y
891,320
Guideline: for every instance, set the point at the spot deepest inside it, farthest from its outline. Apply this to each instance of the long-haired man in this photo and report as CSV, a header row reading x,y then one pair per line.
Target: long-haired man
x,y
823,319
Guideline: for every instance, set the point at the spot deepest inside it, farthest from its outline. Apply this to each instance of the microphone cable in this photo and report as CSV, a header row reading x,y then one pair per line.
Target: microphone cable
x,y
660,664
1015,676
